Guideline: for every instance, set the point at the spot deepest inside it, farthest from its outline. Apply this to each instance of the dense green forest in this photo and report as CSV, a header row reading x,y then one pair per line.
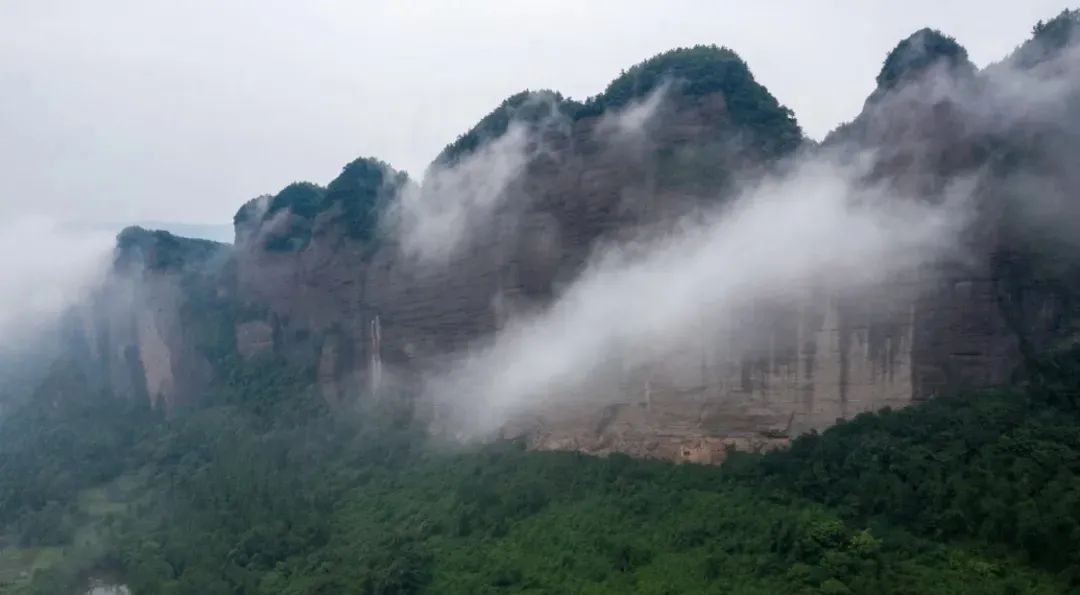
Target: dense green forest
x,y
355,200
263,491
690,72
921,50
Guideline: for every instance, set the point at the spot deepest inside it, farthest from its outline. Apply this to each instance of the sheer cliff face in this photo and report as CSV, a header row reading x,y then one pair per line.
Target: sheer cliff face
x,y
330,278
138,334
582,181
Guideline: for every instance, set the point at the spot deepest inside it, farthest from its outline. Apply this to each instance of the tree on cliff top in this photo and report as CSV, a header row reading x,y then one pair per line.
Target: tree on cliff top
x,y
917,53
528,107
1047,38
913,57
694,71
360,193
703,70
362,190
302,198
159,249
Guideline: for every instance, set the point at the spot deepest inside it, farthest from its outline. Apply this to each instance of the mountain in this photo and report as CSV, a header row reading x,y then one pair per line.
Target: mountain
x,y
215,232
327,278
284,414
313,283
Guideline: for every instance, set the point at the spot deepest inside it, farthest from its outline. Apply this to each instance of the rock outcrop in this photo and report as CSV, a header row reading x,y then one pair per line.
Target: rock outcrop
x,y
139,333
324,277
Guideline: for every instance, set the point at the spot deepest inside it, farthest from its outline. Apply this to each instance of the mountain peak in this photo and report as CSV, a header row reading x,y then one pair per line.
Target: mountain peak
x,y
528,106
1047,39
704,70
358,194
920,51
159,249
362,190
689,71
696,70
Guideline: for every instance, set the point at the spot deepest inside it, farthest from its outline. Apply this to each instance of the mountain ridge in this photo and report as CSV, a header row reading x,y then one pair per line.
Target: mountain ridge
x,y
312,279
871,343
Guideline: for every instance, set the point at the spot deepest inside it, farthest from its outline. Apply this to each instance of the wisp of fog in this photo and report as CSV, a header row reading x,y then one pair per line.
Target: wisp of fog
x,y
46,268
813,226
819,224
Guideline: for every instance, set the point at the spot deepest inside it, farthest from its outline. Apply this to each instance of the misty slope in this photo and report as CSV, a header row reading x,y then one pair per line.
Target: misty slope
x,y
666,269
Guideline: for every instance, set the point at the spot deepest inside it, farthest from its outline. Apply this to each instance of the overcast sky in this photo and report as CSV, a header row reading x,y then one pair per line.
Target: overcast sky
x,y
115,110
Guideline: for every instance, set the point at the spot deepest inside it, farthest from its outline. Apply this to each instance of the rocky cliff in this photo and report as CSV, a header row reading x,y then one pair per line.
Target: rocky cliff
x,y
332,278
140,333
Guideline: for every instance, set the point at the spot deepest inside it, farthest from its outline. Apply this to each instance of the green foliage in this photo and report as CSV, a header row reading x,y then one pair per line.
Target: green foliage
x,y
357,197
1048,38
505,520
61,441
699,70
251,210
702,70
362,191
250,496
997,467
159,250
1058,30
918,52
210,316
301,198
527,107
692,72
264,491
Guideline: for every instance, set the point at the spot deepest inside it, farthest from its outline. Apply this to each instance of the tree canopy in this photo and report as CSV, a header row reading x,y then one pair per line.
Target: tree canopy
x,y
360,193
1047,39
527,107
695,71
920,51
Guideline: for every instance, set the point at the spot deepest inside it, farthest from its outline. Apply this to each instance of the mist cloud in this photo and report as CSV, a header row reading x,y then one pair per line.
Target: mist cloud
x,y
631,124
833,221
45,268
435,218
815,226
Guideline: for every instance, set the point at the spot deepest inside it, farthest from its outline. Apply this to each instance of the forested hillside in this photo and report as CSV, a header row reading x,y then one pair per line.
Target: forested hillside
x,y
267,493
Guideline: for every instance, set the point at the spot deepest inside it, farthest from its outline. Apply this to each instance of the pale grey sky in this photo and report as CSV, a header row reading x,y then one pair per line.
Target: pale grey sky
x,y
124,110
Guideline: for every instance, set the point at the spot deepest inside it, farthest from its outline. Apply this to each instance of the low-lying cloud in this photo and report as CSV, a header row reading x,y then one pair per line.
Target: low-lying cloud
x,y
815,226
834,220
436,218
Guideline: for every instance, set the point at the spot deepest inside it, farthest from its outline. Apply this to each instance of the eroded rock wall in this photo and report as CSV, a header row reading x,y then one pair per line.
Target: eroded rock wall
x,y
802,363
370,319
